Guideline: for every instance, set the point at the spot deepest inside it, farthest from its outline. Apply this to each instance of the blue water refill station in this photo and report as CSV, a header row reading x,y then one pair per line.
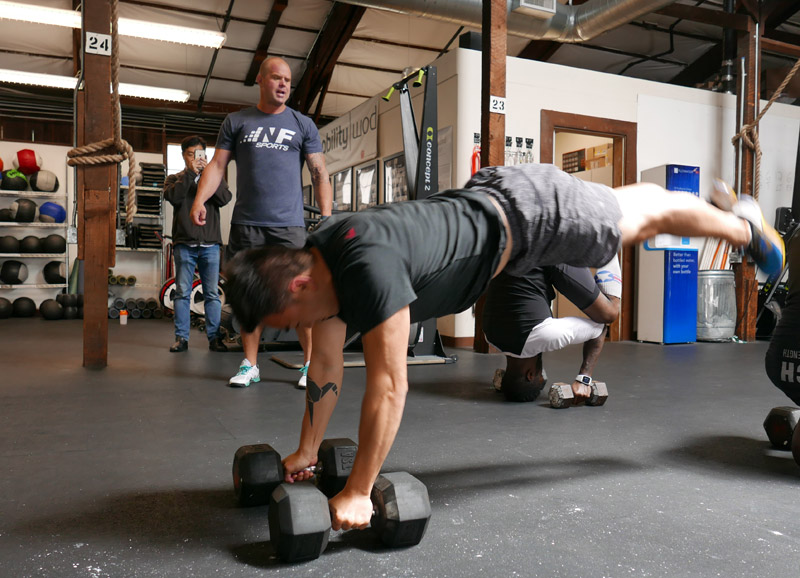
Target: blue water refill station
x,y
666,271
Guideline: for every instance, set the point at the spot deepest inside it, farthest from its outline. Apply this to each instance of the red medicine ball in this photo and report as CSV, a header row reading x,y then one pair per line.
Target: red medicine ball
x,y
27,162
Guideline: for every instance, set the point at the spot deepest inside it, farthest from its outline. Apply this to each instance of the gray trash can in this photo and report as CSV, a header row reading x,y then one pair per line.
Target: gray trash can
x,y
716,305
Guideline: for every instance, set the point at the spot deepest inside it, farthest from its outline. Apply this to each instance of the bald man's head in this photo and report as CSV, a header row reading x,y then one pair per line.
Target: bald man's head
x,y
275,81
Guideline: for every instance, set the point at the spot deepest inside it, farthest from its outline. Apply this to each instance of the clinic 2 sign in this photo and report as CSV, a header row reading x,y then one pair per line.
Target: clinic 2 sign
x,y
352,138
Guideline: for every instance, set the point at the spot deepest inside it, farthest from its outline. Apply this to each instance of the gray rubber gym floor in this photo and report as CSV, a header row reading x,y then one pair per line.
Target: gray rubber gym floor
x,y
126,472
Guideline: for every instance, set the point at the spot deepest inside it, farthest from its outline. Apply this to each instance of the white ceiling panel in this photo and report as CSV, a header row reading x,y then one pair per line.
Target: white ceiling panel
x,y
385,56
405,29
356,81
35,38
305,13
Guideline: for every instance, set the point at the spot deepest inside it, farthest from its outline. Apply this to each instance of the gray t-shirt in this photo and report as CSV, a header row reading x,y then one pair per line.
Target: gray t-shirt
x,y
269,150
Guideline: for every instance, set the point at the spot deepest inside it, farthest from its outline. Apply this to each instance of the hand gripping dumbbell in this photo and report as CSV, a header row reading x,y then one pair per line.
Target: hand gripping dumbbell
x,y
257,470
561,394
780,424
300,521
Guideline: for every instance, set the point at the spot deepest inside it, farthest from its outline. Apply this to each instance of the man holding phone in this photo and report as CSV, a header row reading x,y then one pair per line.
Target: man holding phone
x,y
195,246
269,142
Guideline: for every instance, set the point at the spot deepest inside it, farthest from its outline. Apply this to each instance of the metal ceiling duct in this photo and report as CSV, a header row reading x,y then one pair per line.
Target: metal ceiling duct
x,y
568,24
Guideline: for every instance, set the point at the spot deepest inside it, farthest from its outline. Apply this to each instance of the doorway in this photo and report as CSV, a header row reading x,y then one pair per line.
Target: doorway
x,y
619,165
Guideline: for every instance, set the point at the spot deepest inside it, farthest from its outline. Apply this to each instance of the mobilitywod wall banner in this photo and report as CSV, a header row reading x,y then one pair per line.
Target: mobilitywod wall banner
x,y
352,138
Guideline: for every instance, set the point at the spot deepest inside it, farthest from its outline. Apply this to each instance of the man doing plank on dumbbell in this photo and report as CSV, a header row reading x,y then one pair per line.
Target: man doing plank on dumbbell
x,y
517,320
380,269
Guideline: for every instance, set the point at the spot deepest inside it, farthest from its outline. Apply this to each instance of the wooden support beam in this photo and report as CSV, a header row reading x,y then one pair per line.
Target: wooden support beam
x,y
745,272
493,125
342,22
262,50
96,189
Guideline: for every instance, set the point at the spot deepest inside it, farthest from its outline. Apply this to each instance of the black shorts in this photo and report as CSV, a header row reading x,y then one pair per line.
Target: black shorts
x,y
516,305
782,363
250,237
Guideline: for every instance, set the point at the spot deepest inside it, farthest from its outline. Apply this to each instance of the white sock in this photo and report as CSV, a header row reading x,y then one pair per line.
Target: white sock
x,y
609,278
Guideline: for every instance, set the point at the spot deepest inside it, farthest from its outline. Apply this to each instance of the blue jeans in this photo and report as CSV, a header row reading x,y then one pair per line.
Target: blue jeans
x,y
206,259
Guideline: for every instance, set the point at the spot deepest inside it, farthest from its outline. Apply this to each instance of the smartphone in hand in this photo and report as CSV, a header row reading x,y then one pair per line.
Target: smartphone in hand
x,y
199,154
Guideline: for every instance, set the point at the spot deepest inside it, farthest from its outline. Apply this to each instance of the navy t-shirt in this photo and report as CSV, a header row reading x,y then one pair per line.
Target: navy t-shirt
x,y
269,150
436,255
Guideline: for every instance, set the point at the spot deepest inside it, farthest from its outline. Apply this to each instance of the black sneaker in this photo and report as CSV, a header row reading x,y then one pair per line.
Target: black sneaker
x,y
217,345
180,345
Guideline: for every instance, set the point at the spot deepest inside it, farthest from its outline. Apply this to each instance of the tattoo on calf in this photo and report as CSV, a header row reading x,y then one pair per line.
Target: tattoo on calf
x,y
315,393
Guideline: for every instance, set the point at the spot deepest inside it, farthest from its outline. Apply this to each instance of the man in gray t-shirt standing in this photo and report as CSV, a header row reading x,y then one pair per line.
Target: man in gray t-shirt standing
x,y
269,142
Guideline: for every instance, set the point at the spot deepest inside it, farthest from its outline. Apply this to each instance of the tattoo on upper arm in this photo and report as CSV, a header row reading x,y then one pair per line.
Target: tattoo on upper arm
x,y
315,393
316,165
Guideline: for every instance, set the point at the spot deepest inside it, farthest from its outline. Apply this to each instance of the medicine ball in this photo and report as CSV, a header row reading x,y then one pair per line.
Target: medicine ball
x,y
6,216
30,244
52,213
45,181
70,312
27,161
51,310
24,307
9,244
5,308
13,180
55,273
23,211
54,244
13,272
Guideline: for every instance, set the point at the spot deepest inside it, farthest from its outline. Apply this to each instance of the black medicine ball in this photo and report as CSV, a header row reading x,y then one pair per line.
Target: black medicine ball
x,y
55,273
45,181
70,312
51,310
5,308
13,272
23,210
13,180
30,244
6,216
24,307
9,244
54,244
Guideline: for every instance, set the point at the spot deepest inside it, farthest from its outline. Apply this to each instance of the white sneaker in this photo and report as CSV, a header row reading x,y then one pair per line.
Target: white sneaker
x,y
247,374
301,383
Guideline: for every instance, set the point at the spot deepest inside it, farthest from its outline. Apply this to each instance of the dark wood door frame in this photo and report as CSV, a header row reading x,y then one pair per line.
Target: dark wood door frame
x,y
624,135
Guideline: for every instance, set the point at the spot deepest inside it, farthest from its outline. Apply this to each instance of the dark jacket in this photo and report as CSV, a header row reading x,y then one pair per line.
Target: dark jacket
x,y
180,190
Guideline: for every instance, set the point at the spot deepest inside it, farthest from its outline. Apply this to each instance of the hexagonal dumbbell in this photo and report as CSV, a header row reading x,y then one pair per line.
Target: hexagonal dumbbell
x,y
780,424
257,470
561,395
299,517
334,463
299,521
401,509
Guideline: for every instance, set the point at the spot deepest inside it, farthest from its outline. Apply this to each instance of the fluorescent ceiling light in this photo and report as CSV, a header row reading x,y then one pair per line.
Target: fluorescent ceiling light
x,y
127,27
68,82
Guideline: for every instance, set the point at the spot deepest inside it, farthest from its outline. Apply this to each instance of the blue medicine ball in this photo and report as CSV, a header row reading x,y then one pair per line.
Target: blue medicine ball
x,y
52,213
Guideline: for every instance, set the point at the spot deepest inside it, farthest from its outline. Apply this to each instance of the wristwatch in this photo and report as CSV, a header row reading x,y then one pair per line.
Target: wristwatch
x,y
584,379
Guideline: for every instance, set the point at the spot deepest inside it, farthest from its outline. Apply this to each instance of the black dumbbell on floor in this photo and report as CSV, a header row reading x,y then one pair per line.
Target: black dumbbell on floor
x,y
257,470
780,424
300,523
561,395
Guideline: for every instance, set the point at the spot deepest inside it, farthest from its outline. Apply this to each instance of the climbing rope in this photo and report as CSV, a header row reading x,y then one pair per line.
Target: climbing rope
x,y
749,132
120,149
